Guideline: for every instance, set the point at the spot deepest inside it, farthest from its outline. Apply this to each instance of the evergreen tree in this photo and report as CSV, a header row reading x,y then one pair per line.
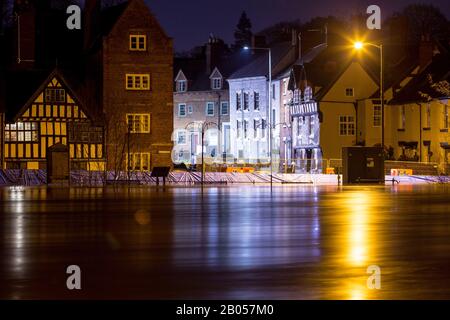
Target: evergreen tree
x,y
243,32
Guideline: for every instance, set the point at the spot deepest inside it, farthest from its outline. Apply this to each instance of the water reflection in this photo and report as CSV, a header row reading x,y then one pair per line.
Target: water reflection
x,y
239,233
226,242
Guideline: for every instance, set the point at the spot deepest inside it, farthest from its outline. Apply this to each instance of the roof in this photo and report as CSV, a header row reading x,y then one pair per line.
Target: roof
x,y
23,86
110,15
438,69
320,67
258,67
195,69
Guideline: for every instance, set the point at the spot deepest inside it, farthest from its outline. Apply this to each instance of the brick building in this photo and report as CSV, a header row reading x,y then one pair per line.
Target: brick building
x,y
201,101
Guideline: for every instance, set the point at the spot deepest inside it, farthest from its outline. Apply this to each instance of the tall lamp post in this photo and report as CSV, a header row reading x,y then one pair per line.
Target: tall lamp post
x,y
204,127
358,46
270,106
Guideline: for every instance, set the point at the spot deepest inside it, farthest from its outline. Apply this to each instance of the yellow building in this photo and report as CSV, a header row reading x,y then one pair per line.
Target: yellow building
x,y
51,115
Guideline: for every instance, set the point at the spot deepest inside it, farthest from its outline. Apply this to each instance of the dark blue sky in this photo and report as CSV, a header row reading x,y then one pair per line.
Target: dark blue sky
x,y
190,22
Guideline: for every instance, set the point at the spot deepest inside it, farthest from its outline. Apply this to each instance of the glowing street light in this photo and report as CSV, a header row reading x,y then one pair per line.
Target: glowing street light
x,y
358,45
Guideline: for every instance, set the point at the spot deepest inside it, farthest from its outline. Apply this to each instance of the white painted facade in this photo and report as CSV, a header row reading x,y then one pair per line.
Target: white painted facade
x,y
250,135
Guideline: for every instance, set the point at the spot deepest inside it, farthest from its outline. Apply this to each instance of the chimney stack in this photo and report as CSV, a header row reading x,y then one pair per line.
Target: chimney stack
x,y
214,49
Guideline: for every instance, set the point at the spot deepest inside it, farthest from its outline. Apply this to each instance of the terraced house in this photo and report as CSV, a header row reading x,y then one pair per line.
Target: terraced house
x,y
104,92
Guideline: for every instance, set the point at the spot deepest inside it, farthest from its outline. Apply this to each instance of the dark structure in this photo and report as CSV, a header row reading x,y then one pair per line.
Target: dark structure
x,y
58,164
362,165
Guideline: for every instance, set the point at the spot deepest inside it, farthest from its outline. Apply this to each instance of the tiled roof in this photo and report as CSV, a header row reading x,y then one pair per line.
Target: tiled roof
x,y
438,69
259,67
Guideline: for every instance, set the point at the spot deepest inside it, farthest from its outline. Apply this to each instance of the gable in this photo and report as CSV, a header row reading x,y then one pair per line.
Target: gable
x,y
137,15
363,88
216,74
53,100
180,76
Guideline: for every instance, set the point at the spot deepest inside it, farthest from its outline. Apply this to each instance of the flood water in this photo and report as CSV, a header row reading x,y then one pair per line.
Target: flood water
x,y
226,242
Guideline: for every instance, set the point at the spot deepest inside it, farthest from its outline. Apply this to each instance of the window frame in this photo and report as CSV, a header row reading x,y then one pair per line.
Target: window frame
x,y
246,106
349,126
144,126
208,104
179,110
51,95
181,89
224,103
134,77
376,117
256,98
352,92
213,83
238,101
137,37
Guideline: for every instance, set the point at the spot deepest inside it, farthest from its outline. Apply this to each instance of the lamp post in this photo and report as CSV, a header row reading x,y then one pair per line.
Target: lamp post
x,y
204,127
285,125
358,46
269,106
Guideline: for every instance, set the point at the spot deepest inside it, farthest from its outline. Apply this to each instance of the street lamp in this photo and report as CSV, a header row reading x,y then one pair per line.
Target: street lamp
x,y
285,125
204,127
358,45
270,105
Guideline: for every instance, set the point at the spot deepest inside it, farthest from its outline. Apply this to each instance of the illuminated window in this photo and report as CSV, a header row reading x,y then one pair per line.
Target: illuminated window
x,y
138,161
138,123
346,125
138,82
27,131
138,42
55,95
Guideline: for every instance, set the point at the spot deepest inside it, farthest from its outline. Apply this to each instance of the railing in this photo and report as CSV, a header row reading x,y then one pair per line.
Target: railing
x,y
314,166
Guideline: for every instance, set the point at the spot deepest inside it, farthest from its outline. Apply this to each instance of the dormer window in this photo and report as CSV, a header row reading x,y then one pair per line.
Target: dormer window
x,y
216,83
181,86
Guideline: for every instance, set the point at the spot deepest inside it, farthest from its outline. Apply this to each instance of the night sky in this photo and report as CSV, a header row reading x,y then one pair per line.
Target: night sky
x,y
191,22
